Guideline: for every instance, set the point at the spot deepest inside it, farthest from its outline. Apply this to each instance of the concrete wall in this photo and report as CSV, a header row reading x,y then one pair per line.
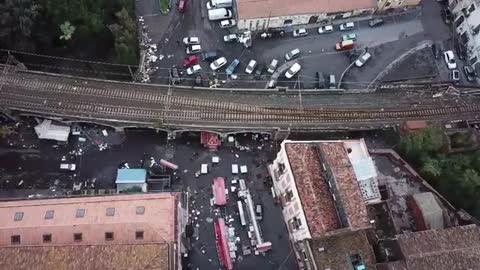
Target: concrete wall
x,y
294,208
470,27
258,24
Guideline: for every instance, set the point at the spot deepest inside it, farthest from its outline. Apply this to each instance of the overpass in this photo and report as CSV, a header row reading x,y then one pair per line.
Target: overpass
x,y
174,109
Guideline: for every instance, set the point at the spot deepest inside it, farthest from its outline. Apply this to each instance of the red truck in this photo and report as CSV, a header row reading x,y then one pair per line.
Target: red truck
x,y
344,45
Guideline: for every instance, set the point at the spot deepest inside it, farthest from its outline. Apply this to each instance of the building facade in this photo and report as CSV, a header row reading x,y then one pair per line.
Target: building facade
x,y
324,187
467,25
262,15
61,229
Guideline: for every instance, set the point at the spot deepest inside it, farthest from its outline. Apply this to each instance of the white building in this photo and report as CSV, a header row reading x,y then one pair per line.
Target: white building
x,y
260,15
467,25
323,187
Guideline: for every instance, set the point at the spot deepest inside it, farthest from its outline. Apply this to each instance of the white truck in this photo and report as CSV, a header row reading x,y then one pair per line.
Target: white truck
x,y
219,14
212,4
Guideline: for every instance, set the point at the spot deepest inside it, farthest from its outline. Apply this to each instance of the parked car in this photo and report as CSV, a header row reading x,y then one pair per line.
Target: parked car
x,y
190,61
436,50
300,32
220,62
174,75
251,67
68,167
470,73
347,26
191,40
294,69
376,22
227,23
320,80
450,59
182,5
351,36
273,66
446,15
292,54
193,49
194,69
231,68
272,83
258,212
460,50
325,29
230,38
364,58
198,80
259,71
332,84
209,56
455,76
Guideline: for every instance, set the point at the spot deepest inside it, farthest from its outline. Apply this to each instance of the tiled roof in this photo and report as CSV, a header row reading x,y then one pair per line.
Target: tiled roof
x,y
313,190
336,157
123,215
447,249
86,257
331,252
248,9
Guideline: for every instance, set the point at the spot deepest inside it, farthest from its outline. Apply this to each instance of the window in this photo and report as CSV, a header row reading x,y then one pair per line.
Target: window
x,y
281,167
15,239
77,237
297,223
471,8
109,236
140,210
139,235
18,216
288,22
47,238
110,212
80,213
289,195
49,214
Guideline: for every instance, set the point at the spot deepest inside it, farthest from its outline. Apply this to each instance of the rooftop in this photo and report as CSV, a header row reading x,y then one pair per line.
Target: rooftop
x,y
91,217
131,176
328,202
332,252
447,249
248,9
86,257
314,192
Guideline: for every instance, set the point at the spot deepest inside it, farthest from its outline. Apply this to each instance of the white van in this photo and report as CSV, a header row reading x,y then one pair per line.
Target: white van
x,y
213,4
347,26
219,14
69,167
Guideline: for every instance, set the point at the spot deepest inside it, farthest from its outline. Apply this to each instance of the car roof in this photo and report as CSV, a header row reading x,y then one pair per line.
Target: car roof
x,y
449,53
295,66
366,55
295,50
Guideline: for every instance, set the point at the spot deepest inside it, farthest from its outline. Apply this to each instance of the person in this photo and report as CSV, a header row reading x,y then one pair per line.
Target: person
x,y
178,42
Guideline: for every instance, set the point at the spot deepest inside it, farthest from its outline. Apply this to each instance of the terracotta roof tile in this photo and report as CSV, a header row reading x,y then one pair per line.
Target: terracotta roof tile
x,y
89,257
447,249
337,248
248,9
313,190
347,185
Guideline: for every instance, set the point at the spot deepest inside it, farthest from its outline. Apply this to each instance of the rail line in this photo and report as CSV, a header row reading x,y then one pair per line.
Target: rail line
x,y
124,102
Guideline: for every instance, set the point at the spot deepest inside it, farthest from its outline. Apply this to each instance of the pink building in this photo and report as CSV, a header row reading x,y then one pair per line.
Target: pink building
x,y
143,223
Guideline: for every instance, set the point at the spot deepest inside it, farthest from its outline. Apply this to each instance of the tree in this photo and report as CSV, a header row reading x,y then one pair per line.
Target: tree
x,y
431,168
422,144
5,131
17,21
67,30
125,37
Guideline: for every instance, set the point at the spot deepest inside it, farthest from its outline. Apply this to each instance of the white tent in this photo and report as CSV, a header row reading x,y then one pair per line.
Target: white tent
x,y
46,130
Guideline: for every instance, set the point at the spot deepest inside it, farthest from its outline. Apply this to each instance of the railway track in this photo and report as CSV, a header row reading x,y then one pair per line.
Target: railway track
x,y
120,103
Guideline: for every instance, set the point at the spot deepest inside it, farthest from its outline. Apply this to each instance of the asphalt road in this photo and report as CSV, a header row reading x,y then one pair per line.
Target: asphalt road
x,y
386,43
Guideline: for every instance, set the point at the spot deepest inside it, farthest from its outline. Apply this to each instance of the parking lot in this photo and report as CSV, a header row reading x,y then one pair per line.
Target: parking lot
x,y
386,43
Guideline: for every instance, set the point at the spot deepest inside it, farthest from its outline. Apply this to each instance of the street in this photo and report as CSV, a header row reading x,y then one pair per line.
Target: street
x,y
391,42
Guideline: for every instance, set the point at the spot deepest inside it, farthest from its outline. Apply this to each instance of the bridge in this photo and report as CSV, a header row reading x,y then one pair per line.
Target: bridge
x,y
123,105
